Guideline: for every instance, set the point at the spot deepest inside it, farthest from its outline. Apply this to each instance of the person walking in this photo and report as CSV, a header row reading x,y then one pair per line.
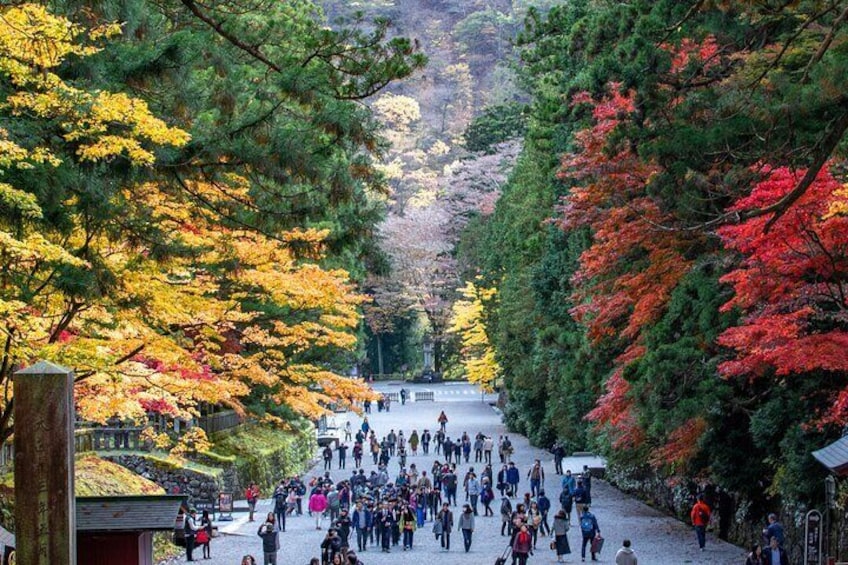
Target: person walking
x,y
626,555
362,521
472,488
700,516
445,518
560,531
544,507
536,474
191,528
589,529
774,530
343,525
559,454
487,495
375,450
566,502
488,445
270,540
328,458
774,554
357,455
522,546
425,441
466,526
567,482
342,449
506,516
756,556
317,505
512,479
413,442
587,483
443,421
408,523
348,431
280,503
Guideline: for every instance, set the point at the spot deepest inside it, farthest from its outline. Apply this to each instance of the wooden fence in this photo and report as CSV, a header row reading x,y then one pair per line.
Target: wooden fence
x,y
219,421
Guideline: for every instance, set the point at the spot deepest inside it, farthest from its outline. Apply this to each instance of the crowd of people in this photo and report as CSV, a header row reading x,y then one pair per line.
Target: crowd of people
x,y
389,506
383,508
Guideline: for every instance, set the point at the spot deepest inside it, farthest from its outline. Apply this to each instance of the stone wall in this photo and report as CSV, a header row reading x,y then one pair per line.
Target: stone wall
x,y
732,518
179,480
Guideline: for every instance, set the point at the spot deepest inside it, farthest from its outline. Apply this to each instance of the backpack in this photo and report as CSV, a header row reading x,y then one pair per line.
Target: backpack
x,y
587,524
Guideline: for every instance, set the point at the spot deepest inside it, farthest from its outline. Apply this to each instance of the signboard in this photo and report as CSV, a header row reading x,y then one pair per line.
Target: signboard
x,y
813,538
225,506
205,504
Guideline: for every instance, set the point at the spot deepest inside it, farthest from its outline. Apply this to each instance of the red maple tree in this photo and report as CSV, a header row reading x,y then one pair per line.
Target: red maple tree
x,y
791,285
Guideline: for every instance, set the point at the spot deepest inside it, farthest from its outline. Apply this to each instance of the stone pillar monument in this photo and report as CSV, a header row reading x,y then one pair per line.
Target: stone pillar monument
x,y
45,517
429,354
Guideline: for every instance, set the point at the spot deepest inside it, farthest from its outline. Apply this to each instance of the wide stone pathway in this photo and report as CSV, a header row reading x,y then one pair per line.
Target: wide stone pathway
x,y
657,539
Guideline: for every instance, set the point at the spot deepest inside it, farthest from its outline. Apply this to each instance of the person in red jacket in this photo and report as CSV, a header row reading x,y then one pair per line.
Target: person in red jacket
x,y
700,517
522,546
251,493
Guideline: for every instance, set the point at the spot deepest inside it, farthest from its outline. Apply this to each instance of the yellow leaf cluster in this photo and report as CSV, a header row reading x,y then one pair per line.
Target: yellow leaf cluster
x,y
839,205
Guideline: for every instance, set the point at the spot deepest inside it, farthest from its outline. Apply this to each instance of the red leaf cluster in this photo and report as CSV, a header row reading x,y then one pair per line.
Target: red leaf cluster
x,y
625,278
791,285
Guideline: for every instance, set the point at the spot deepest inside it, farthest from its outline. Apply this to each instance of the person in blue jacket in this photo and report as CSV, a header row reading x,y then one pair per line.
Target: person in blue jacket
x,y
362,521
512,478
588,529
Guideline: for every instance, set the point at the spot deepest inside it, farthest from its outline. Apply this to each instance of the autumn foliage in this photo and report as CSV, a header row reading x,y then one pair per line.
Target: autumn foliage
x,y
468,320
791,285
626,276
160,295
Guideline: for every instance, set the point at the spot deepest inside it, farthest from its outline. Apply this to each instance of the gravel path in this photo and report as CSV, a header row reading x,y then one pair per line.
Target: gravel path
x,y
657,539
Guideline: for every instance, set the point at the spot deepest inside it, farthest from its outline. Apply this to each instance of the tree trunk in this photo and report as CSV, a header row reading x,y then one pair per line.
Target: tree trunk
x,y
379,354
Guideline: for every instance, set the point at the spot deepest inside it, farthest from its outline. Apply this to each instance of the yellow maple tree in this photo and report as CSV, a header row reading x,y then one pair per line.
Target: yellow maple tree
x,y
468,321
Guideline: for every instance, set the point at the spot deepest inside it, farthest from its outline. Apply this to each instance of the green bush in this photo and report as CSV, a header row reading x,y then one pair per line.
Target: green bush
x,y
264,455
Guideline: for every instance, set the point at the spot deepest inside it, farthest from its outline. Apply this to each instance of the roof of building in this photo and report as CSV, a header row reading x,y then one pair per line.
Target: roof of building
x,y
127,513
834,456
7,538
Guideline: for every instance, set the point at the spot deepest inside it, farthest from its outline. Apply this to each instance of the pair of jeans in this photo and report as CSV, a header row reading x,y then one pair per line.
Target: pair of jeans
x,y
473,498
446,539
466,538
361,538
407,538
583,547
701,532
189,541
535,487
280,515
386,537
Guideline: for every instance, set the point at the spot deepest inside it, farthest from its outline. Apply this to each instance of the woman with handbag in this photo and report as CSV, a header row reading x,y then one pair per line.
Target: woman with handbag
x,y
560,535
204,534
534,521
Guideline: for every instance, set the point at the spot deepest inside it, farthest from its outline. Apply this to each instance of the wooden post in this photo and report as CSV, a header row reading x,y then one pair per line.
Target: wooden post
x,y
45,520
